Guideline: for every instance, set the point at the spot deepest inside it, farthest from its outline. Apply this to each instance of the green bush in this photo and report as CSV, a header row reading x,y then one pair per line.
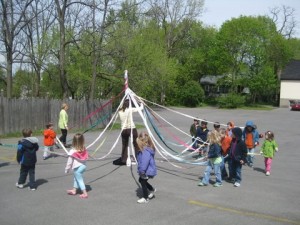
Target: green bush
x,y
231,101
191,94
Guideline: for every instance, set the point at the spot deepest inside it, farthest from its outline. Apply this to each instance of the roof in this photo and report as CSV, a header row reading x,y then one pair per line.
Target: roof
x,y
291,71
210,79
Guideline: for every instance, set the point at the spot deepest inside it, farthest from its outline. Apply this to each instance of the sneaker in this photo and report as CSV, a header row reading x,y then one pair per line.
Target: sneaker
x,y
218,185
32,189
143,200
19,185
151,195
237,184
267,173
202,184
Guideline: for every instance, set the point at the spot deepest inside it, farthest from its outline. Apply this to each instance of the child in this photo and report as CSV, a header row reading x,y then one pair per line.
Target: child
x,y
238,155
26,156
214,159
217,126
49,140
193,132
268,149
225,146
251,139
146,165
230,126
202,132
78,156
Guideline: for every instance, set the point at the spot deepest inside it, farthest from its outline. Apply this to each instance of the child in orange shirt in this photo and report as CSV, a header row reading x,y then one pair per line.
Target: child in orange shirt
x,y
251,138
49,140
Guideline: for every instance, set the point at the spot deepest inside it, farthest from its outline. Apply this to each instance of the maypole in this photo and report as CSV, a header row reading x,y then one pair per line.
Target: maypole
x,y
128,161
126,82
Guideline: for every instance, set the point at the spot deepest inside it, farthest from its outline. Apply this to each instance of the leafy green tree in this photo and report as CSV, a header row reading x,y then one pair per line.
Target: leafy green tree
x,y
152,72
294,45
262,85
193,52
250,46
49,84
23,84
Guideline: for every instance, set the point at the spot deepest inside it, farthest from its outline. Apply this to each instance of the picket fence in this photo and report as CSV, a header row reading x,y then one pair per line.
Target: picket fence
x,y
35,113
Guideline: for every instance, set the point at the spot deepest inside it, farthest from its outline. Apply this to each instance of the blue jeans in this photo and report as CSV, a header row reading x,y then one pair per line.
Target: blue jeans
x,y
236,169
78,179
250,158
210,166
223,167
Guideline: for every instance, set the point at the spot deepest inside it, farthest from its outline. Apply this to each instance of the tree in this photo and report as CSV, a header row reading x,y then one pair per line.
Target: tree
x,y
294,45
38,41
23,84
142,52
13,16
249,46
64,15
284,18
168,14
263,85
193,54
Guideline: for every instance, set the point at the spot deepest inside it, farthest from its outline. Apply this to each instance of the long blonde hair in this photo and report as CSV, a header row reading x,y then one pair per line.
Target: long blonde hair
x,y
144,140
214,137
78,142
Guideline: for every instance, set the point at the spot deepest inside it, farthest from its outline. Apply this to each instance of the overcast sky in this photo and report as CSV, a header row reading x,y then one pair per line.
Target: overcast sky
x,y
216,12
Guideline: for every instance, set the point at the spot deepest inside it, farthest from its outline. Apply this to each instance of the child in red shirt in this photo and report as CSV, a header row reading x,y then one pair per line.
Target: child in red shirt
x,y
49,140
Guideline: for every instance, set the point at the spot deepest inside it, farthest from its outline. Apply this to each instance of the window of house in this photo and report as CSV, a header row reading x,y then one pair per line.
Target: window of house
x,y
206,88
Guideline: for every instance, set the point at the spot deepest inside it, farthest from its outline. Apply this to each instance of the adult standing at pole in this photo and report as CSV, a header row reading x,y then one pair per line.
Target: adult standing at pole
x,y
63,124
127,125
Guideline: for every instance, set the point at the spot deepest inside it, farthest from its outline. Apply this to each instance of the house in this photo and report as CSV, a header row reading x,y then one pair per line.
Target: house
x,y
210,87
290,83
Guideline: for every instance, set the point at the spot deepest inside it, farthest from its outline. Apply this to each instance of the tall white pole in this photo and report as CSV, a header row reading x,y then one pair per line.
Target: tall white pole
x,y
126,79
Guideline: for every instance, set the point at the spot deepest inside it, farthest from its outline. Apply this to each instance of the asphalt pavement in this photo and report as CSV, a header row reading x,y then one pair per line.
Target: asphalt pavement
x,y
114,190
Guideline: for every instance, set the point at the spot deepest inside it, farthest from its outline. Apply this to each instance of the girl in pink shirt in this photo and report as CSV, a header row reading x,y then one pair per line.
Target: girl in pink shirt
x,y
78,156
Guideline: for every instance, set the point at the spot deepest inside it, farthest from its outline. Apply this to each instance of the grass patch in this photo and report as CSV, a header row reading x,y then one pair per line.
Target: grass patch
x,y
258,107
116,126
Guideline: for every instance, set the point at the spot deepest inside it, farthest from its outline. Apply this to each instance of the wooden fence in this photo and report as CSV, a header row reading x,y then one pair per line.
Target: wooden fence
x,y
35,113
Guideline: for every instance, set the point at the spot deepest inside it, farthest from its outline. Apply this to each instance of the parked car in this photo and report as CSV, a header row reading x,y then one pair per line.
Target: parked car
x,y
294,104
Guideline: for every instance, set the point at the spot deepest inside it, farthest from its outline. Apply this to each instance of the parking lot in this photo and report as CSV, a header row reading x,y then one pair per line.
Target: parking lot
x,y
114,190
